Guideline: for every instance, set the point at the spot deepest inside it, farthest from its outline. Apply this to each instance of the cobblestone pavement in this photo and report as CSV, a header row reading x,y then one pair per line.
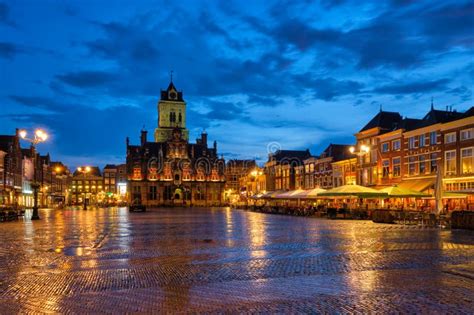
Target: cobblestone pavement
x,y
222,260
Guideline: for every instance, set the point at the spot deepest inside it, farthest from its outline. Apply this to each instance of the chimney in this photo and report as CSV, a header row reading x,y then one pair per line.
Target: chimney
x,y
215,146
143,137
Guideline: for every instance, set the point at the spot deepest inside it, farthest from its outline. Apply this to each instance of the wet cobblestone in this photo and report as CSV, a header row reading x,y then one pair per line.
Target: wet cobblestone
x,y
229,261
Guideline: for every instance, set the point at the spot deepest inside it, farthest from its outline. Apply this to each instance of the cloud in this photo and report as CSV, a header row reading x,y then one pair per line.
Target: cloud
x,y
412,87
78,128
5,15
327,88
87,79
9,50
38,102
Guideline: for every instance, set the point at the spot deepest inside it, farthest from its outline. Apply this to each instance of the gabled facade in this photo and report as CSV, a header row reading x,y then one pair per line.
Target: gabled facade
x,y
170,170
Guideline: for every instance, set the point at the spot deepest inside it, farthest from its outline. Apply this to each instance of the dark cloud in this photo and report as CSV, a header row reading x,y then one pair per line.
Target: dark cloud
x,y
464,93
5,15
9,50
327,88
413,87
225,111
38,102
80,128
87,79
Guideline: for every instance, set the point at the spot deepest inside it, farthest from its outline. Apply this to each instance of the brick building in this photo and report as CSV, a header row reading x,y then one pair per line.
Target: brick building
x,y
171,170
280,168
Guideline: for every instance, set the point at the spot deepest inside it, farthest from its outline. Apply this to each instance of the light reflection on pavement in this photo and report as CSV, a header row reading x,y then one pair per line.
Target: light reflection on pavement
x,y
222,260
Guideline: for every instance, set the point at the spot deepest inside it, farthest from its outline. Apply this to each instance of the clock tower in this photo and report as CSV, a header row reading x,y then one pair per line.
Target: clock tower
x,y
171,114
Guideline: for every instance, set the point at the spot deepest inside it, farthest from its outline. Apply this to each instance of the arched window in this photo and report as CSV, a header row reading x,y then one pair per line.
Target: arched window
x,y
180,118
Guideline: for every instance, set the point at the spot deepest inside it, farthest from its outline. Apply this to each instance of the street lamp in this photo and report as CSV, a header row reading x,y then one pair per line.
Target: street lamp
x,y
84,171
39,136
363,150
58,170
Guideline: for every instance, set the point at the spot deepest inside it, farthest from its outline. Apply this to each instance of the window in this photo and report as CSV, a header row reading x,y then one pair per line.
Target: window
x,y
450,137
433,163
396,167
422,140
396,145
433,138
467,134
412,165
385,168
152,194
137,193
450,162
385,147
422,165
411,142
467,161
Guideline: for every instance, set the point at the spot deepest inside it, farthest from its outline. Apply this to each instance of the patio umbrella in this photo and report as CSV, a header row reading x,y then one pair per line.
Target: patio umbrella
x,y
399,192
309,194
439,190
272,194
353,191
289,194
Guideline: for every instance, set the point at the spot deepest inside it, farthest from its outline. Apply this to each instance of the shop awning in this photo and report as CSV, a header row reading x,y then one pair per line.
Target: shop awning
x,y
309,194
288,194
400,192
272,194
353,191
419,185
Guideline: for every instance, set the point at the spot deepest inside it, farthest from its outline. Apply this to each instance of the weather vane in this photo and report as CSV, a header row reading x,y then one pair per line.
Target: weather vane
x,y
171,75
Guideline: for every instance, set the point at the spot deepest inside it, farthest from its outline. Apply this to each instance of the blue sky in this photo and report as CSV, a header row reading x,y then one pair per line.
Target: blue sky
x,y
301,74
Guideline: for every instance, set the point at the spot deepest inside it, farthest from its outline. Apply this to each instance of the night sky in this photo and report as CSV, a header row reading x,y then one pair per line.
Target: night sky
x,y
299,74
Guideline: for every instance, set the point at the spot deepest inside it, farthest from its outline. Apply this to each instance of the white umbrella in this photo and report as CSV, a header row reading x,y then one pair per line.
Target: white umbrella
x,y
439,190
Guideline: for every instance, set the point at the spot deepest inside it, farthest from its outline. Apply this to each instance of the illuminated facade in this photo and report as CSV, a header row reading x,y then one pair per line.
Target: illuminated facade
x,y
408,152
344,172
170,170
88,186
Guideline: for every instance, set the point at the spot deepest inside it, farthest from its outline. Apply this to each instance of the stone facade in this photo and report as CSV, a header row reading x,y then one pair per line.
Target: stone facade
x,y
170,170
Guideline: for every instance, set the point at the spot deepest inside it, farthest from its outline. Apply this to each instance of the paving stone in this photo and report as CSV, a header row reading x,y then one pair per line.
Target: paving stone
x,y
229,261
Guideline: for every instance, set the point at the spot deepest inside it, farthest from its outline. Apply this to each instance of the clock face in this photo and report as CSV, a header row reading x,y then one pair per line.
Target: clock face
x,y
173,95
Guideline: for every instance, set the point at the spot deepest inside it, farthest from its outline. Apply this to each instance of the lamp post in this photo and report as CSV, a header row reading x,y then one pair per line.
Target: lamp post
x,y
58,170
39,136
84,171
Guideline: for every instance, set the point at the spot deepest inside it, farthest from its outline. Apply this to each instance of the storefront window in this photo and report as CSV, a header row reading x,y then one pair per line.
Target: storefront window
x,y
450,162
433,163
412,165
396,167
422,166
385,168
467,160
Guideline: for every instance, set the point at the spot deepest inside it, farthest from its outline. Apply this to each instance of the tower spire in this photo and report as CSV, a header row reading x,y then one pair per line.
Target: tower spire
x,y
171,76
432,107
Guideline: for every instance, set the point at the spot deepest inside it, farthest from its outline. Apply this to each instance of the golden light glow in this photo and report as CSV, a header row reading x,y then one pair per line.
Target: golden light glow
x,y
57,169
351,149
23,134
41,134
88,169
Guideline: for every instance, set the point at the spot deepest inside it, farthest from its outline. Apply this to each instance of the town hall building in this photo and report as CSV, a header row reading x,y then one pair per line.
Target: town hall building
x,y
170,170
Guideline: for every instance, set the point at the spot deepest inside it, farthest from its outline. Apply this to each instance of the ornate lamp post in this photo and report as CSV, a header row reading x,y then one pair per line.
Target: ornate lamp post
x,y
39,136
84,171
